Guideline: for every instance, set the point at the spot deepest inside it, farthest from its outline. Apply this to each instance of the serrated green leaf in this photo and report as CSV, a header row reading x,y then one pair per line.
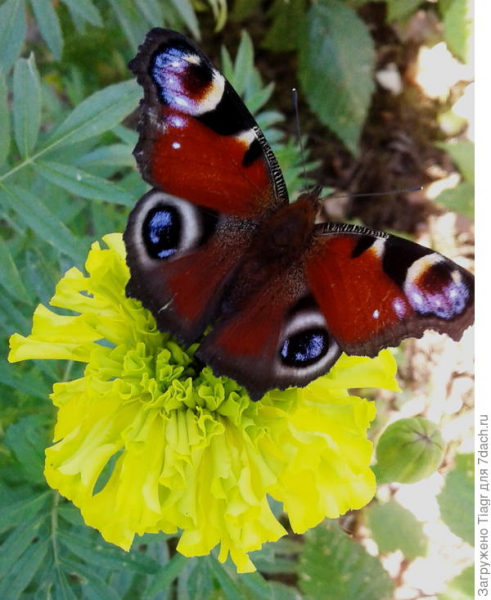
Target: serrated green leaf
x,y
459,199
60,588
333,566
396,528
85,10
89,576
4,120
165,576
399,10
27,105
18,380
96,114
9,275
17,543
460,587
185,10
244,63
259,99
285,32
22,510
27,438
11,319
33,213
336,69
200,580
130,20
25,568
151,11
12,32
456,500
462,154
49,25
458,27
230,588
107,556
80,183
115,155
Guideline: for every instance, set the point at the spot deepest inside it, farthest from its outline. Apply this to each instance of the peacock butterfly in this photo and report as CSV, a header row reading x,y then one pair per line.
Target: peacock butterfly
x,y
216,242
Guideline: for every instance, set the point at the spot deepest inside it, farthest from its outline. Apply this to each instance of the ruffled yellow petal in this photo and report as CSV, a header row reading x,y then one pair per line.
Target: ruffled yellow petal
x,y
146,442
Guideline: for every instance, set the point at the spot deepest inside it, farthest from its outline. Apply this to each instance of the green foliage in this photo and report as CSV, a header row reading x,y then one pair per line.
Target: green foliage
x,y
461,198
461,587
336,69
395,528
457,498
457,26
334,566
398,10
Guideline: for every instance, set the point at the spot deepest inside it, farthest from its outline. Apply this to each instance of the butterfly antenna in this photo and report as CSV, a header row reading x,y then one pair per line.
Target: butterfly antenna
x,y
412,189
299,133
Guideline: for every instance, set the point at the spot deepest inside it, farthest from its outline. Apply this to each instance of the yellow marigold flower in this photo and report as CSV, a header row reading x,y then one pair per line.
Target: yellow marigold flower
x,y
147,442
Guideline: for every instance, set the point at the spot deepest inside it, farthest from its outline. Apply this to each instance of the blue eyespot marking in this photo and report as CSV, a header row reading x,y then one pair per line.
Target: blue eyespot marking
x,y
305,348
162,231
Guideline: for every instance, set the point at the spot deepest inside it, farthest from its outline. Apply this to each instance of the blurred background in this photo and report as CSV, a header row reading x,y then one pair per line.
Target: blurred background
x,y
386,98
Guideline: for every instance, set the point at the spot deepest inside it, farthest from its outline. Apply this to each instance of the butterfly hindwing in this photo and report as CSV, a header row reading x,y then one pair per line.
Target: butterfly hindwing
x,y
180,256
278,340
197,140
376,289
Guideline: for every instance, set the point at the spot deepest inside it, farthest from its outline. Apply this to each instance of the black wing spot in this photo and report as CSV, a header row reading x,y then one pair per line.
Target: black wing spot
x,y
364,243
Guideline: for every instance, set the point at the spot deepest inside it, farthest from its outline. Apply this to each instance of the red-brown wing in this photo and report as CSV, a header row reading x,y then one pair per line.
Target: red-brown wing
x,y
197,140
276,339
180,257
375,289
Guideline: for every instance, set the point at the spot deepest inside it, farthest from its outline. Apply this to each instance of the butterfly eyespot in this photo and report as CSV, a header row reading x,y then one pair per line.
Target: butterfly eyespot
x,y
305,348
162,231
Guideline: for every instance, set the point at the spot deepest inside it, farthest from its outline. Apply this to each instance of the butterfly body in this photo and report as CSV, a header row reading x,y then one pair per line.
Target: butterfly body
x,y
216,242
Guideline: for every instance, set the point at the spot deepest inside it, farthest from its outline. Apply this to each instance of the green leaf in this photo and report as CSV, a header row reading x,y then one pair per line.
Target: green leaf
x,y
4,120
456,500
185,10
396,528
285,32
85,10
229,587
96,114
200,580
27,438
80,183
399,10
87,574
333,566
132,24
27,105
9,275
336,69
12,32
17,379
22,510
244,63
17,543
37,216
461,587
115,155
49,25
165,576
459,199
457,26
24,570
462,154
107,556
